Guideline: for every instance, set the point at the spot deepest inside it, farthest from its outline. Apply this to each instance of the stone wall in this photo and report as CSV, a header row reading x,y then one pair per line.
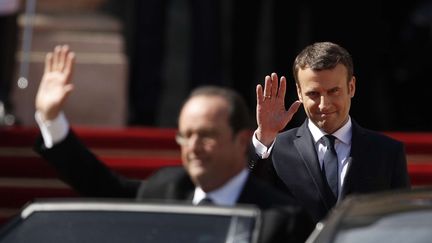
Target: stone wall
x,y
99,98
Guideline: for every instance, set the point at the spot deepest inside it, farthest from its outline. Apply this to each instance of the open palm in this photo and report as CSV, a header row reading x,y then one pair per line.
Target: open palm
x,y
272,116
56,82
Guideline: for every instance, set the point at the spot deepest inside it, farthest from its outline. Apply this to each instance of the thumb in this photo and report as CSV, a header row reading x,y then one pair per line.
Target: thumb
x,y
293,109
68,88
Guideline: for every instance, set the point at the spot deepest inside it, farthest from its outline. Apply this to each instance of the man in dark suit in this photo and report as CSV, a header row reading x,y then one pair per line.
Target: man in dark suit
x,y
297,161
214,135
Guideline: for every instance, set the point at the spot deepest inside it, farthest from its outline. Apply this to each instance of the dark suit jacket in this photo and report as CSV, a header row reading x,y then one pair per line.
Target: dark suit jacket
x,y
283,221
377,163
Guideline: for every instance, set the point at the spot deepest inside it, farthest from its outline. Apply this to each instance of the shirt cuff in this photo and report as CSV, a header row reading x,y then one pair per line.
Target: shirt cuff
x,y
53,131
260,149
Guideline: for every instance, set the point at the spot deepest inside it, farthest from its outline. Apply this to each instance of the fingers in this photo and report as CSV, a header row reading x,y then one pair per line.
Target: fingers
x,y
273,88
282,88
59,58
48,62
267,87
69,65
259,93
64,51
274,85
55,61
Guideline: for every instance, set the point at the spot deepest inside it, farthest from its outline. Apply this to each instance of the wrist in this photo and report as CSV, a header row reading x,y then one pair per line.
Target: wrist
x,y
266,138
47,116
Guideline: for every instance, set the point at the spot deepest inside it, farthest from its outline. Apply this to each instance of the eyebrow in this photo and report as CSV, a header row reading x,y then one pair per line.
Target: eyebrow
x,y
311,91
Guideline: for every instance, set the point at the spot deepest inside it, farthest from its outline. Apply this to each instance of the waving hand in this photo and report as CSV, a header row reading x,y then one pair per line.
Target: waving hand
x,y
272,116
56,83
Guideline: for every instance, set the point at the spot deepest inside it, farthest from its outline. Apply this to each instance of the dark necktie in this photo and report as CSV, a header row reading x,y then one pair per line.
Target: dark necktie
x,y
330,164
206,201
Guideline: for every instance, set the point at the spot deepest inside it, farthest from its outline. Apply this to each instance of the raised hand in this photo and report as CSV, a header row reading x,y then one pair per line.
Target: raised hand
x,y
271,114
56,83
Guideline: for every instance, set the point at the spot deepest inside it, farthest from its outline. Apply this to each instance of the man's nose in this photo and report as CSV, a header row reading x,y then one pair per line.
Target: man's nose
x,y
194,142
324,102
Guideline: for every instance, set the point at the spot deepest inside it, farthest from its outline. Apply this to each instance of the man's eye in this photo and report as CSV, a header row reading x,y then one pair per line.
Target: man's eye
x,y
207,135
313,94
334,91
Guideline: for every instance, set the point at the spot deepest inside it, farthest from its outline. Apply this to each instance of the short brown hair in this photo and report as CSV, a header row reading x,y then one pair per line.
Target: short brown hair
x,y
323,56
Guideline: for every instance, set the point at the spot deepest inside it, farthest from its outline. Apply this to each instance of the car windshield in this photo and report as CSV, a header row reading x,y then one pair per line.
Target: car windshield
x,y
131,222
413,227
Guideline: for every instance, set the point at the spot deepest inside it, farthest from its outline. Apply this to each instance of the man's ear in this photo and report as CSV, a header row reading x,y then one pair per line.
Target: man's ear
x,y
299,94
352,86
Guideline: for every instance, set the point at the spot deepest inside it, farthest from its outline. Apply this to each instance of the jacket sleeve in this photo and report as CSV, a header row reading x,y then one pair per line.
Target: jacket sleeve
x,y
83,171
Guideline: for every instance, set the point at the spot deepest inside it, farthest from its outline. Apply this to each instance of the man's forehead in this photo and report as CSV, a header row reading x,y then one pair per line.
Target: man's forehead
x,y
339,67
208,107
205,104
338,72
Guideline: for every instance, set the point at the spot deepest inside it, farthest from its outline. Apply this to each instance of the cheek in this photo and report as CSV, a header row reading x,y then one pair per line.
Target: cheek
x,y
221,151
344,104
184,154
310,105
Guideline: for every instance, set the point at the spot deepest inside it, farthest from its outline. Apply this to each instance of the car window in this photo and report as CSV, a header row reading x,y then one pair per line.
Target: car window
x,y
413,227
131,222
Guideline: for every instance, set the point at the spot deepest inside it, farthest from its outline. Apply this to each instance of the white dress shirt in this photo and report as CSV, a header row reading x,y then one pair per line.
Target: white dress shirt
x,y
53,131
227,195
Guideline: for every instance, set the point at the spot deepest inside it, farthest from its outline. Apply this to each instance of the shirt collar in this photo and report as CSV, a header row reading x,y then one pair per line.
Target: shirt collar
x,y
343,134
227,194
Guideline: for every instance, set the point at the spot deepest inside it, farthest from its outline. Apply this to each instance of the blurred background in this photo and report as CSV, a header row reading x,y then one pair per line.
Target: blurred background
x,y
138,59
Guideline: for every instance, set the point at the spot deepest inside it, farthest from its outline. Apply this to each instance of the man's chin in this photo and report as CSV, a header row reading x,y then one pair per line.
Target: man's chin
x,y
196,171
197,176
324,126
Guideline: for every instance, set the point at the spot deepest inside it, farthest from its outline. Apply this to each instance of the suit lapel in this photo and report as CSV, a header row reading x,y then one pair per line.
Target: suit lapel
x,y
306,148
247,194
182,188
357,154
262,194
